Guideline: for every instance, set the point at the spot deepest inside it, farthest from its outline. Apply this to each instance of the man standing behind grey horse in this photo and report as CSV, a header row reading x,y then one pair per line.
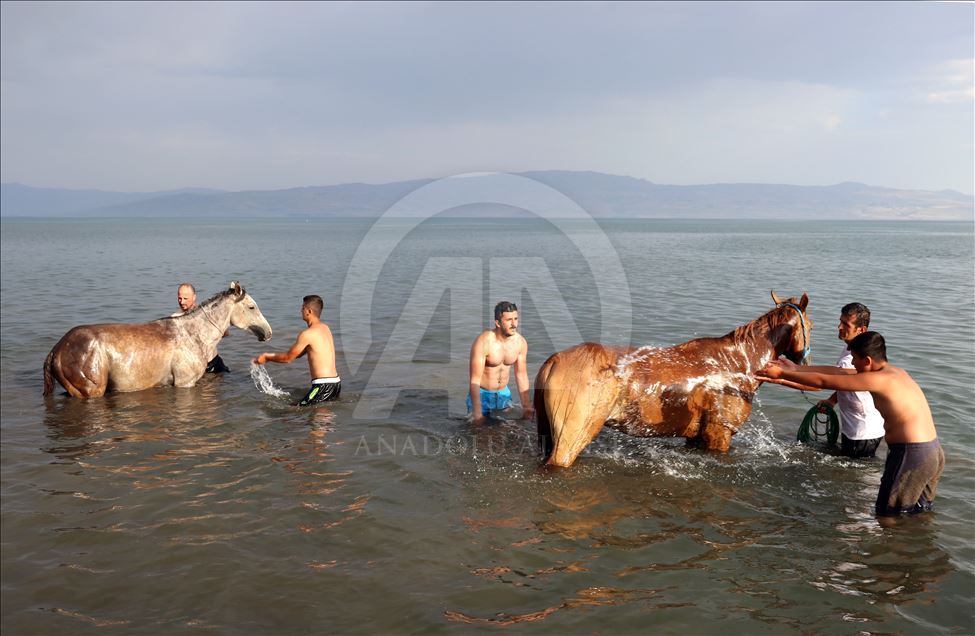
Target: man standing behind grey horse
x,y
186,299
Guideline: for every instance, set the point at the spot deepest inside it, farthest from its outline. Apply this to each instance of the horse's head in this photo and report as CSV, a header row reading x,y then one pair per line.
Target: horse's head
x,y
796,323
247,315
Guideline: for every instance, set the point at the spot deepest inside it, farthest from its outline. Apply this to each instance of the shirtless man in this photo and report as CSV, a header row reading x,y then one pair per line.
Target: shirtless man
x,y
316,341
914,457
186,299
492,354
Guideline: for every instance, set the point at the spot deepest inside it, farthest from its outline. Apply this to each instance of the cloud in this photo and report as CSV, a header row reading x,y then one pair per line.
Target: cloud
x,y
955,81
263,95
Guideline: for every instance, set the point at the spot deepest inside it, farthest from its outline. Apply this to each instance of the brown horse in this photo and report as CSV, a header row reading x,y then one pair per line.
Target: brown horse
x,y
92,359
701,390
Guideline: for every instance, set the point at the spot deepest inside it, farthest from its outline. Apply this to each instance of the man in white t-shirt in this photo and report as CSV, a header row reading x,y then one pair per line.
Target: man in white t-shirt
x,y
862,426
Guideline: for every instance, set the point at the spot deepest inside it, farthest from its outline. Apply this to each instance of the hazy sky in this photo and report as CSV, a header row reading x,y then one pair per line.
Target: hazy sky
x,y
145,96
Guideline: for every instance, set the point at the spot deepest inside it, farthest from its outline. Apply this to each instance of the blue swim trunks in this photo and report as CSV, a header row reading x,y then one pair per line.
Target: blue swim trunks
x,y
491,401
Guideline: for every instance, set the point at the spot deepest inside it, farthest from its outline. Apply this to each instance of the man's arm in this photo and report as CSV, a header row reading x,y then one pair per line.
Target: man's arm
x,y
792,385
831,400
521,379
476,373
814,379
296,351
792,366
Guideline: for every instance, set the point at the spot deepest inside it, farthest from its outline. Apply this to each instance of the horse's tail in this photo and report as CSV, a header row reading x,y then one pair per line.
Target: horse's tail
x,y
48,375
546,443
574,393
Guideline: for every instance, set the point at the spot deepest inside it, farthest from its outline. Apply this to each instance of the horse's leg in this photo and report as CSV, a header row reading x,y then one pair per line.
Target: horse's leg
x,y
715,435
721,421
185,377
188,367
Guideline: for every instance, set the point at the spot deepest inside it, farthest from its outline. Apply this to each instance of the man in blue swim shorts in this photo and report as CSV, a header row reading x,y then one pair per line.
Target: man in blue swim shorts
x,y
493,353
491,401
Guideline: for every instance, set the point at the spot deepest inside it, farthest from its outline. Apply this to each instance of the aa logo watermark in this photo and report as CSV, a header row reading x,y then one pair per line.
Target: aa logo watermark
x,y
415,445
461,280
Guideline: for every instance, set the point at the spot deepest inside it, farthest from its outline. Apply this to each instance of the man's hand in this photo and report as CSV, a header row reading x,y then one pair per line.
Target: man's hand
x,y
261,359
528,413
786,364
478,419
772,370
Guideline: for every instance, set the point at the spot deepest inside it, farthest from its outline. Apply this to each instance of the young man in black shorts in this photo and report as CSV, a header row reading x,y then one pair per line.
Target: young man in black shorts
x,y
915,459
315,341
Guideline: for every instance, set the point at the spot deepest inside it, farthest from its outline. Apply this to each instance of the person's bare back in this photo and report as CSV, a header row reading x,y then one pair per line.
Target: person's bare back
x,y
907,416
315,342
320,349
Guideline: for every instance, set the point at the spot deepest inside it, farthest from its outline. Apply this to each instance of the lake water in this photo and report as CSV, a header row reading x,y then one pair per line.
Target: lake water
x,y
223,509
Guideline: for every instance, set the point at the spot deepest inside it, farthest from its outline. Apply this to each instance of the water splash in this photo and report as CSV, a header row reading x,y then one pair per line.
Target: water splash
x,y
262,380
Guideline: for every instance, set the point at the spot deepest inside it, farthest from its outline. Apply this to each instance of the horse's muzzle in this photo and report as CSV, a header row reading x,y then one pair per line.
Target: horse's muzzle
x,y
260,333
797,357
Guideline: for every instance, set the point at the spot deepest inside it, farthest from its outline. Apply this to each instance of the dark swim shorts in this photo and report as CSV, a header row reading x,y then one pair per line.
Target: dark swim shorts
x,y
910,480
322,390
859,448
217,366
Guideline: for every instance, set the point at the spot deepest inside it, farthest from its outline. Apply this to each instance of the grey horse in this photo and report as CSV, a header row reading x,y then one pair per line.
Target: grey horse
x,y
92,359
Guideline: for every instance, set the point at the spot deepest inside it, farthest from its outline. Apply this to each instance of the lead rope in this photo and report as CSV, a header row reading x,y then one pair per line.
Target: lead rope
x,y
820,421
207,316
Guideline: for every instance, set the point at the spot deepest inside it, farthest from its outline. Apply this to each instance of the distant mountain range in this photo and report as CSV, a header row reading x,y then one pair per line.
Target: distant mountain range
x,y
601,195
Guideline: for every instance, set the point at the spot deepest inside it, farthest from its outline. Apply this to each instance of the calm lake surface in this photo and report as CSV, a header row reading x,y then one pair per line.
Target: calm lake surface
x,y
223,509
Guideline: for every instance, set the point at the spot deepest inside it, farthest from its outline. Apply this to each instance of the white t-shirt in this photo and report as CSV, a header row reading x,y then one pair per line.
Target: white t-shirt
x,y
860,418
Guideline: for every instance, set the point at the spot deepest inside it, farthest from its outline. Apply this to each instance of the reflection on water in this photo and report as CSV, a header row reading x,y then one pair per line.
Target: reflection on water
x,y
889,565
226,509
667,541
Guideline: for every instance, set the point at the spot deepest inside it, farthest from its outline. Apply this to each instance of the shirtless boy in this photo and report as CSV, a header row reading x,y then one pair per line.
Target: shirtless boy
x,y
915,459
315,341
492,355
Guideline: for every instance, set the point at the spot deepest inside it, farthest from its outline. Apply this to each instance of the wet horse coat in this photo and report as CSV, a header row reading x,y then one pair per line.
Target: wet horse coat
x,y
92,359
701,390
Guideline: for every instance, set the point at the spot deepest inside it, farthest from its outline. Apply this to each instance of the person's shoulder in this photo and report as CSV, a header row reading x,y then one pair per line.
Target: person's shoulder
x,y
320,328
891,370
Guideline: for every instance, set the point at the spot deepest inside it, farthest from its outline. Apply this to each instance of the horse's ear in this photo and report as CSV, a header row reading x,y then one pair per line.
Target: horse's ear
x,y
776,299
236,288
804,301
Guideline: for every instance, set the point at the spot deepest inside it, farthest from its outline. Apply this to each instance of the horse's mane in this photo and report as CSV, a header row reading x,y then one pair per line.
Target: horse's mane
x,y
206,303
761,325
